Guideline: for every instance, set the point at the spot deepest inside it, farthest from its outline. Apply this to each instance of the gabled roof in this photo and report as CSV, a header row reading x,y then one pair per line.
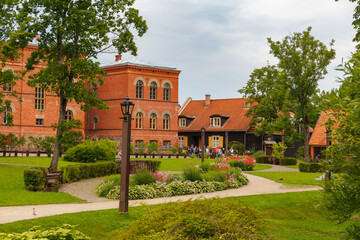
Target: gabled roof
x,y
318,138
233,109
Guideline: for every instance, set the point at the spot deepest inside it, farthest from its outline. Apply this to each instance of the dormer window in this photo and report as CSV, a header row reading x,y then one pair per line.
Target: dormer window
x,y
182,122
215,122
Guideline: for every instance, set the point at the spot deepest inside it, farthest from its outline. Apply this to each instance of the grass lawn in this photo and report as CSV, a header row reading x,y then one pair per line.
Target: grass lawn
x,y
287,216
36,161
293,178
260,166
13,193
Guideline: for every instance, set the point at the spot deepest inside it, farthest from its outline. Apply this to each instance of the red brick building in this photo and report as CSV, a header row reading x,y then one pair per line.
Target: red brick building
x,y
154,91
38,109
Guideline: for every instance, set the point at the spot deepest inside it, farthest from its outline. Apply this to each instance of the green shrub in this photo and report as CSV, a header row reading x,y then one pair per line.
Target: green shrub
x,y
34,179
258,154
152,148
245,166
205,167
73,173
310,167
66,231
191,173
278,150
92,151
143,177
174,149
288,161
238,147
193,155
262,159
154,165
198,219
132,148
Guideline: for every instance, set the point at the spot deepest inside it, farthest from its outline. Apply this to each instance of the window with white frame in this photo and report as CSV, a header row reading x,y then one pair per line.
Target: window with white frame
x,y
6,114
181,142
153,121
216,141
215,122
182,122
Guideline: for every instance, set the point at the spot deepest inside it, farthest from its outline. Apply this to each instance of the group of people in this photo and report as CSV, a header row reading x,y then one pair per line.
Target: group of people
x,y
210,151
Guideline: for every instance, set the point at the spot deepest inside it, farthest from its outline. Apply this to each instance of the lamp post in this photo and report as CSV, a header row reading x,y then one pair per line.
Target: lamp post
x,y
202,143
126,108
226,142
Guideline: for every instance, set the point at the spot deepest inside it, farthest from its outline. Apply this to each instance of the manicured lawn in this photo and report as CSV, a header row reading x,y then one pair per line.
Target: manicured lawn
x,y
293,178
260,166
287,216
36,161
13,193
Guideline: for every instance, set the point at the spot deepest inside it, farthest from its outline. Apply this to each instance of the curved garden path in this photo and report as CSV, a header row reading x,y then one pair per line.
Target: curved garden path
x,y
257,185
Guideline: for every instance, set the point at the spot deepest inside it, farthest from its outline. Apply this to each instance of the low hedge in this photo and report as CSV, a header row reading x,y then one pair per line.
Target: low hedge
x,y
310,167
73,173
34,179
288,161
262,159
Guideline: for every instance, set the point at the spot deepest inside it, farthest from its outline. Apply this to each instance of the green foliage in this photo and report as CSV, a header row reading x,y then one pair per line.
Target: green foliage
x,y
288,161
154,165
199,219
73,173
288,87
258,154
141,147
262,159
191,173
92,151
42,144
152,148
10,140
132,148
70,135
66,231
34,179
238,147
174,149
205,167
143,177
310,167
193,155
278,150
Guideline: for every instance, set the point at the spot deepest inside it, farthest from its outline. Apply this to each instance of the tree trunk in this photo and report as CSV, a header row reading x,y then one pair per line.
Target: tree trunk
x,y
306,144
56,153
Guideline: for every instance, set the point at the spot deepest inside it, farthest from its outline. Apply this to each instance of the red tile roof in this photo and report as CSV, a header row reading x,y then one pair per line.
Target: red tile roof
x,y
318,137
233,107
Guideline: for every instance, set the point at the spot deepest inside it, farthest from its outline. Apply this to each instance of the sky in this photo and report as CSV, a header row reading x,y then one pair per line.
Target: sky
x,y
217,44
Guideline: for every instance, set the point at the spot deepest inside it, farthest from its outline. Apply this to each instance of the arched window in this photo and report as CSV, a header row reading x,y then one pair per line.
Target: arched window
x,y
6,114
139,120
153,88
153,121
166,122
139,89
95,121
68,115
166,92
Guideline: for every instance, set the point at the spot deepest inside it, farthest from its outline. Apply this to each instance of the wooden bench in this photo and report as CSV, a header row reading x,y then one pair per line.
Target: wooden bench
x,y
52,177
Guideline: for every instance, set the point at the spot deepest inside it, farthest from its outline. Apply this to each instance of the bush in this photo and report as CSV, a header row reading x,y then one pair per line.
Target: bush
x,y
34,179
92,151
205,167
288,161
278,150
262,159
174,149
238,147
198,219
73,173
245,166
310,167
258,154
66,231
193,155
152,148
154,165
143,177
191,173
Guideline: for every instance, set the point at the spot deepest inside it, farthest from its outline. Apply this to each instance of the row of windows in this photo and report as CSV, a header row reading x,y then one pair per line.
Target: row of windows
x,y
140,144
139,119
214,141
214,122
39,96
153,90
39,121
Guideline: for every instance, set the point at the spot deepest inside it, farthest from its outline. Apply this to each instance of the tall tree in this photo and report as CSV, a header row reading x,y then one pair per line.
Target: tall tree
x,y
291,85
71,35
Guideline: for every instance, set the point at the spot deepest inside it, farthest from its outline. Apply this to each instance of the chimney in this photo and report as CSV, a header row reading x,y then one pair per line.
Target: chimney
x,y
117,58
207,100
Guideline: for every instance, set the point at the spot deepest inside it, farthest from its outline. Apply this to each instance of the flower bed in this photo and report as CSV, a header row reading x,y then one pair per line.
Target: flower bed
x,y
213,177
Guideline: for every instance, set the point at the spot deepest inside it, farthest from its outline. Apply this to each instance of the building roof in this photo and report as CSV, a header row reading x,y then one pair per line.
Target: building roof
x,y
233,108
318,138
137,62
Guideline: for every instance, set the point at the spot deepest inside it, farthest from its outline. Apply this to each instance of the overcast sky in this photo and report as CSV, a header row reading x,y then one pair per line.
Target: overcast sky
x,y
217,44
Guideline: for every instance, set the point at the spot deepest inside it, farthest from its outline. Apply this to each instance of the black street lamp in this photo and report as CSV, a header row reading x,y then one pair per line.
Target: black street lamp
x,y
127,108
202,143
